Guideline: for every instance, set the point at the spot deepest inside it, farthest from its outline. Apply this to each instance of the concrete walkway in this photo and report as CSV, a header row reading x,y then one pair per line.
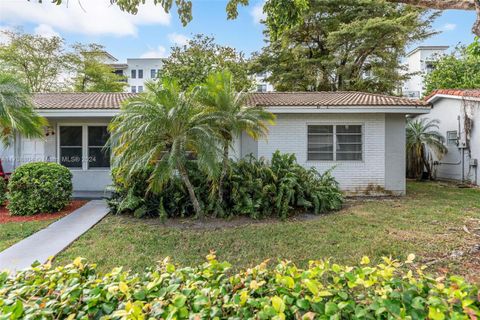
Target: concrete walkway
x,y
54,238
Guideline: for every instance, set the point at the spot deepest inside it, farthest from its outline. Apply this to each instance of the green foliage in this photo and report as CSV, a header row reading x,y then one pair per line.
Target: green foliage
x,y
162,128
324,290
35,60
192,63
339,44
39,187
253,188
458,70
16,111
423,142
3,191
92,73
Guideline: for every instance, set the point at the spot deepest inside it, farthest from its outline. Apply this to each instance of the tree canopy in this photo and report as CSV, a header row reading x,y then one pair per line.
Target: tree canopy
x,y
458,70
287,13
192,63
37,61
92,74
343,45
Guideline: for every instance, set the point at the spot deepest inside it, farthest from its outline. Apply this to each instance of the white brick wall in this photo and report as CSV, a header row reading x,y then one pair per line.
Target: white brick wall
x,y
289,135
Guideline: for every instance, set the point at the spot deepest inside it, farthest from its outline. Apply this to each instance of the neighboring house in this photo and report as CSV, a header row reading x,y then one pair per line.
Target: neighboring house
x,y
361,135
420,62
262,85
457,111
137,71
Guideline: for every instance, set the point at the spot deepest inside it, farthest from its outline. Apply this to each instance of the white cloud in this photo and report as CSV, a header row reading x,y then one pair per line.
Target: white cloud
x,y
91,17
159,52
257,13
178,39
449,27
45,30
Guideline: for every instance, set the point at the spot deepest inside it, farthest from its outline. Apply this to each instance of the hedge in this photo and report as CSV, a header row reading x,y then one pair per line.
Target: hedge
x,y
389,290
39,187
256,188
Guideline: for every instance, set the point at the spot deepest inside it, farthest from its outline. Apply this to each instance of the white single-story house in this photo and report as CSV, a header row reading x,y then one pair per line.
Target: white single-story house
x,y
362,135
459,114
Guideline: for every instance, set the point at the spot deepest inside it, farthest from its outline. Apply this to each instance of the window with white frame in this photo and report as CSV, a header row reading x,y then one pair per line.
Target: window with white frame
x,y
71,146
153,73
98,156
133,89
452,138
140,89
335,142
140,73
133,74
83,146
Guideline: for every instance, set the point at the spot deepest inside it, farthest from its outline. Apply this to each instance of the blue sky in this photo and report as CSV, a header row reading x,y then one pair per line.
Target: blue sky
x,y
153,32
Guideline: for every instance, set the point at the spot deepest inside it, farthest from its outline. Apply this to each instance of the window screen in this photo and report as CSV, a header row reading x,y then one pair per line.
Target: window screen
x,y
71,146
97,156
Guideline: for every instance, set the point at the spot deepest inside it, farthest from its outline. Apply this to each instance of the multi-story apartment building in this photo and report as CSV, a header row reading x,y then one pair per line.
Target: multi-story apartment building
x,y
420,62
137,71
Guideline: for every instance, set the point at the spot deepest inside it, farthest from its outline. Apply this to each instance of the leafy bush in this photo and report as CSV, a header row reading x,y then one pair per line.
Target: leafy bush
x,y
3,191
254,188
209,291
39,187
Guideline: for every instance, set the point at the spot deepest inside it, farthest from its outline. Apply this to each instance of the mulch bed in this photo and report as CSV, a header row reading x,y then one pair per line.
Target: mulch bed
x,y
5,216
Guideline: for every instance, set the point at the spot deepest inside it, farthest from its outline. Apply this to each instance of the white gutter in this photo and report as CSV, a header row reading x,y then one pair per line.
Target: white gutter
x,y
350,109
78,113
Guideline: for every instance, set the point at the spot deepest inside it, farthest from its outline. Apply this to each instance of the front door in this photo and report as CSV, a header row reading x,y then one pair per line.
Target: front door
x,y
33,150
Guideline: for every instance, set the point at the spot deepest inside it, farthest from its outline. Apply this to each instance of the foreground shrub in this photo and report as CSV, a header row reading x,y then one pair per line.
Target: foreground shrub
x,y
209,291
39,187
254,188
3,191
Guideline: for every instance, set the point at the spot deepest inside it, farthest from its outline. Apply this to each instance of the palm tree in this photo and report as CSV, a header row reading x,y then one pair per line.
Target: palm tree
x,y
16,111
164,127
232,115
423,138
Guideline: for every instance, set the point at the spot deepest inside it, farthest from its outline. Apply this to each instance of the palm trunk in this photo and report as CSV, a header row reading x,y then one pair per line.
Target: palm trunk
x,y
191,191
223,174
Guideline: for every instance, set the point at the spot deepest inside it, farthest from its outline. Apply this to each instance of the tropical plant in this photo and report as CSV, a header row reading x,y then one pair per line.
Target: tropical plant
x,y
423,140
325,290
39,187
16,111
458,70
254,188
164,128
233,116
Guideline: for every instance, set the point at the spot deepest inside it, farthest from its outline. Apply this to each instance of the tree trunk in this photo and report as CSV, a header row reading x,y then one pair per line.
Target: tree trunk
x,y
191,191
223,174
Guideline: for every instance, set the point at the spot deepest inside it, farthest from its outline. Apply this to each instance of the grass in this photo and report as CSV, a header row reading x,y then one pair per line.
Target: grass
x,y
428,222
11,233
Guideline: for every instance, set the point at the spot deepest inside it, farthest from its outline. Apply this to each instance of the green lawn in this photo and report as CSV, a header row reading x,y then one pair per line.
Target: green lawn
x,y
428,222
11,233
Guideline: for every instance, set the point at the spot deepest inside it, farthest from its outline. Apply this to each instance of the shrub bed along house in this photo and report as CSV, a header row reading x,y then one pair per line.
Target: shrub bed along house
x,y
208,291
39,187
253,188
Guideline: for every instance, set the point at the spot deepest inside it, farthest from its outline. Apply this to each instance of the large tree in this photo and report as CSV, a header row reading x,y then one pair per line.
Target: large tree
x,y
343,45
287,12
91,73
458,70
192,63
37,61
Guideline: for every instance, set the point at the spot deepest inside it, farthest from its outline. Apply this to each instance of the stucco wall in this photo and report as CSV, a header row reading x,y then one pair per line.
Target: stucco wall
x,y
289,135
446,110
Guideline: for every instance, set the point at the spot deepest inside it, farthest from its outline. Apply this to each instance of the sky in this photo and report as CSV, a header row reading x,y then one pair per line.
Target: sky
x,y
152,32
